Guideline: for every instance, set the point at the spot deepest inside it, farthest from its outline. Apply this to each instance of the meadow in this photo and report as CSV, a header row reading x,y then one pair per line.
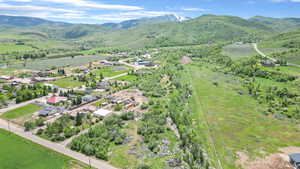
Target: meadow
x,y
231,121
16,152
237,52
21,112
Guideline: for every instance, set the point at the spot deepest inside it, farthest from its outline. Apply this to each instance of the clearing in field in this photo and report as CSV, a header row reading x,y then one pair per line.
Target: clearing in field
x,y
68,82
230,121
16,152
237,52
21,112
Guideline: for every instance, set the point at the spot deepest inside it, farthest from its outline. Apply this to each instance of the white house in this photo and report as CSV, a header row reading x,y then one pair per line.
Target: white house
x,y
102,113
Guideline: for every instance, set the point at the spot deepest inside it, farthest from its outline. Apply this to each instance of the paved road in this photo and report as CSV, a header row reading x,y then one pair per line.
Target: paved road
x,y
20,105
54,146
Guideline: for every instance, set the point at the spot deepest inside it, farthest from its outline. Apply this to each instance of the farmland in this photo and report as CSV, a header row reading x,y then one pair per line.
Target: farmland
x,y
16,152
21,111
9,48
58,62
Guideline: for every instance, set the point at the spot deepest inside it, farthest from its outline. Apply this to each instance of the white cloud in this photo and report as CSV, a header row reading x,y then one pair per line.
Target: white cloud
x,y
32,8
193,9
90,4
285,0
19,0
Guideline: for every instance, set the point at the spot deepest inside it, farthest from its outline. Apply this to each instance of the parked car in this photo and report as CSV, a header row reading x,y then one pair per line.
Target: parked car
x,y
295,160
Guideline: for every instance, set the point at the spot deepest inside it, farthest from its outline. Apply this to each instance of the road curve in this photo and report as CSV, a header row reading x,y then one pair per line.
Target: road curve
x,y
54,146
261,53
274,60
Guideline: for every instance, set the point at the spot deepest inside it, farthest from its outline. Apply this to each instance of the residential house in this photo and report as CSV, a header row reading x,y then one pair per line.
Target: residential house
x,y
56,99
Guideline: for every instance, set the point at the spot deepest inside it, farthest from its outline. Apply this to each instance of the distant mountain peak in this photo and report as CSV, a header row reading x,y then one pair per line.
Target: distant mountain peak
x,y
180,18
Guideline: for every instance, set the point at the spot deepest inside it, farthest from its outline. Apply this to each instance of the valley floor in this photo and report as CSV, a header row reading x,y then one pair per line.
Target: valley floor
x,y
232,122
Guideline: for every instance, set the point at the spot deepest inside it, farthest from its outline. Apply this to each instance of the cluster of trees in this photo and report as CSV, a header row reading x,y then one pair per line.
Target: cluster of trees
x,y
32,124
170,102
99,138
32,55
282,103
65,127
278,99
29,92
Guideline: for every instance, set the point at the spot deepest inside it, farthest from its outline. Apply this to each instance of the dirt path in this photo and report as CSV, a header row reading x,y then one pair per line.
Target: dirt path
x,y
278,160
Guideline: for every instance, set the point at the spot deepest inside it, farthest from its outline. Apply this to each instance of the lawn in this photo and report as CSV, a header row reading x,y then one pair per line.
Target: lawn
x,y
18,153
68,82
228,122
127,78
109,71
237,52
21,112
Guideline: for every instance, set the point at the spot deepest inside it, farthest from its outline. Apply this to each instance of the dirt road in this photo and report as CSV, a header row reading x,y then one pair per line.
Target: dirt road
x,y
54,146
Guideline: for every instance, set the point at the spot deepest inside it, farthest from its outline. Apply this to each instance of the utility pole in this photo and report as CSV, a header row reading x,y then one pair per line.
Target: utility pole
x,y
8,125
90,162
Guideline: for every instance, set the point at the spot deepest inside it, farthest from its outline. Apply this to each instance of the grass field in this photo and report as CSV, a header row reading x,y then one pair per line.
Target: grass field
x,y
9,48
21,112
18,153
229,122
109,72
237,52
68,82
127,78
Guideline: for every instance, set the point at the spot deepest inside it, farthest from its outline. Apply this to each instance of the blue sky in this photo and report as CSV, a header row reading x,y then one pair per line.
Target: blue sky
x,y
101,11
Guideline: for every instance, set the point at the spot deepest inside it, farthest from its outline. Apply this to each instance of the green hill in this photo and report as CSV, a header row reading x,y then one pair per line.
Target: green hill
x,y
278,24
204,29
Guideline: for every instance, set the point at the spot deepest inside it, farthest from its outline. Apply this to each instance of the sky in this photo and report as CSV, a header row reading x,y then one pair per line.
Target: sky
x,y
103,11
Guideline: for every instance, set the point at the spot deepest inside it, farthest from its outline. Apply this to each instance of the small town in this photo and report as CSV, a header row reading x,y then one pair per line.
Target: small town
x,y
77,97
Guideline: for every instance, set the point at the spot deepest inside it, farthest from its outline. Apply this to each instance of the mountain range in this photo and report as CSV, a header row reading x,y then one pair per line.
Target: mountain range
x,y
165,30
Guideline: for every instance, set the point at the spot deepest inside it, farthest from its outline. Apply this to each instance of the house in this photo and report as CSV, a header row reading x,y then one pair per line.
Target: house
x,y
21,81
101,113
103,85
55,100
145,63
6,77
50,110
44,74
88,98
268,63
295,160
